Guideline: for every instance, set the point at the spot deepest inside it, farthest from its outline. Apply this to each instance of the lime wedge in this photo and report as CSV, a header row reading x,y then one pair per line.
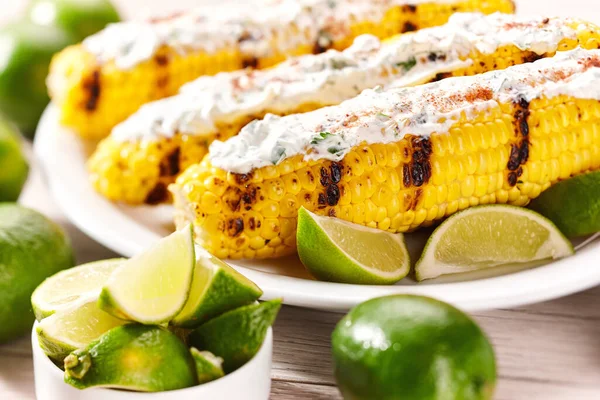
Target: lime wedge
x,y
208,366
488,236
65,331
216,288
573,205
62,290
237,335
338,251
152,287
133,357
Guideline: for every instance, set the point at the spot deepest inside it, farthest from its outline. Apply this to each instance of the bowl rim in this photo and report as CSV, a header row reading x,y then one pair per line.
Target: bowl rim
x,y
265,351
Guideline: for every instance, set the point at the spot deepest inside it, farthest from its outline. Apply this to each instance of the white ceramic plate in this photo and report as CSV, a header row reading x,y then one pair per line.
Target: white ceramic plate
x,y
128,230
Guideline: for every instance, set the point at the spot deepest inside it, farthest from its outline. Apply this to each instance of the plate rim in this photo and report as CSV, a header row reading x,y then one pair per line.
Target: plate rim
x,y
524,287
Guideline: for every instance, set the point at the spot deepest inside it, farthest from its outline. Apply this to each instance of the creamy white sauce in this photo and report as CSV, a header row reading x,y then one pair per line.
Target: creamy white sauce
x,y
255,27
378,116
334,76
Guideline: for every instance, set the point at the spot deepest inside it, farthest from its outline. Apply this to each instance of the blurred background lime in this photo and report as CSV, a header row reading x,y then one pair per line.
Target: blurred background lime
x,y
79,18
13,165
32,248
25,53
27,47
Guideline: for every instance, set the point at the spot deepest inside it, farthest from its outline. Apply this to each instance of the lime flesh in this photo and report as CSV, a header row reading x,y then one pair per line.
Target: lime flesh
x,y
133,357
411,348
237,335
208,366
62,290
152,287
32,248
66,331
216,288
488,236
338,251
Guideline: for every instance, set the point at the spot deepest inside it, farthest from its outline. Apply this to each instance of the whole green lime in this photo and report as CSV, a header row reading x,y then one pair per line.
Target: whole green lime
x,y
25,53
13,165
80,18
573,205
32,248
412,348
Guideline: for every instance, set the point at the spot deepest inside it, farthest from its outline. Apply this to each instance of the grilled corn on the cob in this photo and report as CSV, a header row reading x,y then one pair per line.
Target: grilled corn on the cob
x,y
146,152
99,83
398,159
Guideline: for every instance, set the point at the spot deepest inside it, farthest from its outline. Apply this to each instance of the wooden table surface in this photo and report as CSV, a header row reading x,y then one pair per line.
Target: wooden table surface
x,y
548,351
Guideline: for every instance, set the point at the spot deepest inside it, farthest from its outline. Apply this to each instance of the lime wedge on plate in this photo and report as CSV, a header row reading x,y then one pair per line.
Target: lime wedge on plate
x,y
488,236
62,290
152,287
216,288
573,205
208,366
338,251
133,357
65,331
237,335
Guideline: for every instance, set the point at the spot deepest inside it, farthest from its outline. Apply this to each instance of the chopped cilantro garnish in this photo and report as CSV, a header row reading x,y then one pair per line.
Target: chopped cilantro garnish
x,y
320,137
334,150
382,115
278,155
407,65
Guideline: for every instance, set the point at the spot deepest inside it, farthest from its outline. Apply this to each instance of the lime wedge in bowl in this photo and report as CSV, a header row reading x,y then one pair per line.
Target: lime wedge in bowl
x,y
152,287
237,335
208,366
338,251
65,331
62,290
489,236
132,357
216,288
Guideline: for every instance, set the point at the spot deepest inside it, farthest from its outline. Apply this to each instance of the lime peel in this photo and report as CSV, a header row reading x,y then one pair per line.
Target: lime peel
x,y
216,288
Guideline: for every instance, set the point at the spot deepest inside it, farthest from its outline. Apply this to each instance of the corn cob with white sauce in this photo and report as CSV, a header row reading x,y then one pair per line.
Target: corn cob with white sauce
x,y
145,153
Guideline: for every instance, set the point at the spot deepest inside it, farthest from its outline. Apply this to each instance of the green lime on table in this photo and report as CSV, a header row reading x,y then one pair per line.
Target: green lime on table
x,y
13,165
338,251
32,248
216,288
133,357
68,330
237,335
25,53
573,205
62,290
80,18
153,286
406,347
488,236
208,366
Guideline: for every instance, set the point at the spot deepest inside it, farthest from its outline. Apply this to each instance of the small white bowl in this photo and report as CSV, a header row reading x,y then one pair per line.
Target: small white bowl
x,y
250,382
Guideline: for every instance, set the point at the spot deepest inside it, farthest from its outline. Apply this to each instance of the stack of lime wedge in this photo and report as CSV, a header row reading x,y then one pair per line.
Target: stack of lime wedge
x,y
126,323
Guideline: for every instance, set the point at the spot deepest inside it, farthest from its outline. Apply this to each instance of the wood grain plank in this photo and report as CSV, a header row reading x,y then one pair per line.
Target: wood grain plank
x,y
16,378
282,390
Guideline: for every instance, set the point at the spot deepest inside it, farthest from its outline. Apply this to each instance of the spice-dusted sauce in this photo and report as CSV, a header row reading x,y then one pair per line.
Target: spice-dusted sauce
x,y
332,77
385,116
256,27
